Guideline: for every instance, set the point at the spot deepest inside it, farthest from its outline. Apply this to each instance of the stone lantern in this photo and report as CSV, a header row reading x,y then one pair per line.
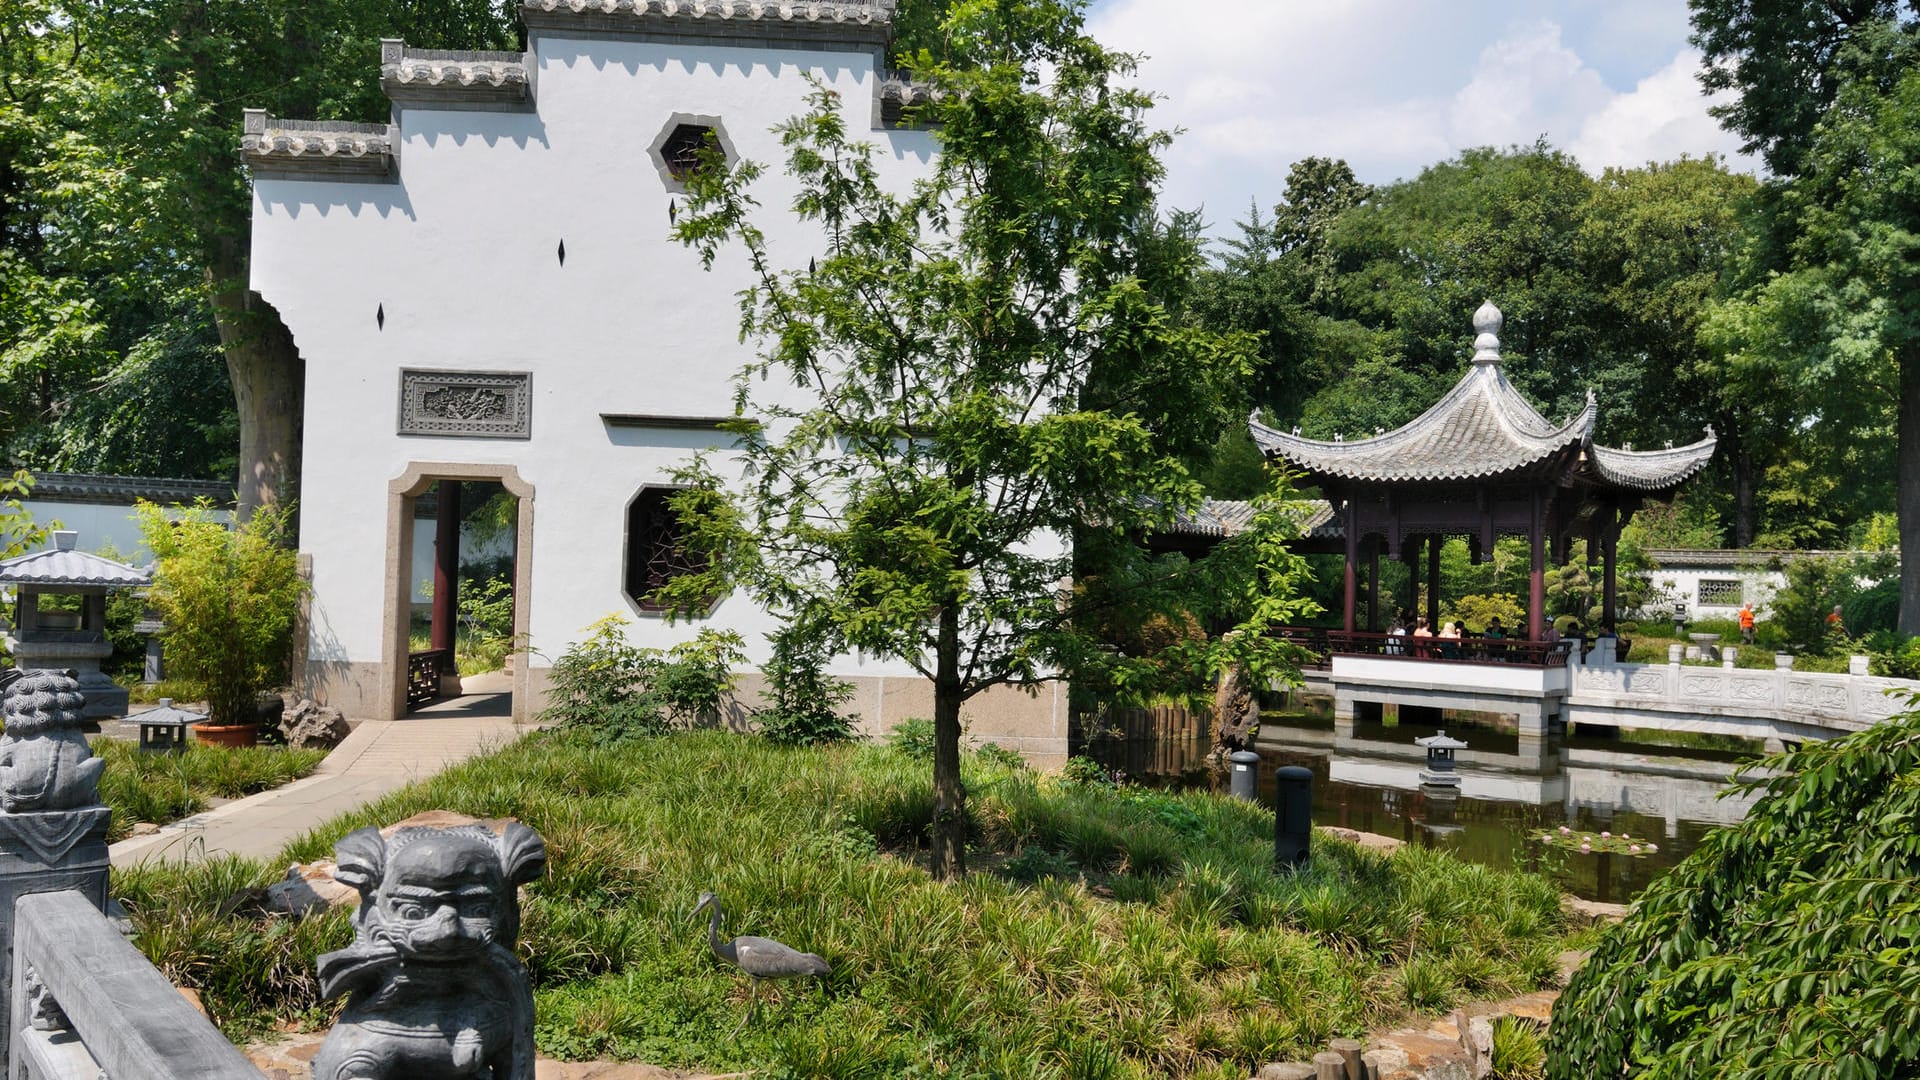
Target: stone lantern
x,y
75,640
1440,770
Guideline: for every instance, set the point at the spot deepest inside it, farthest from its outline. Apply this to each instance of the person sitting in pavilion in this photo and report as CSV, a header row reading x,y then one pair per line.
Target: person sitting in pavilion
x,y
1451,635
1421,630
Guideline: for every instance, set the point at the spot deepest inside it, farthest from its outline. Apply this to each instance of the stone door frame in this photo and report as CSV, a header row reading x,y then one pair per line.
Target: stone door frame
x,y
398,606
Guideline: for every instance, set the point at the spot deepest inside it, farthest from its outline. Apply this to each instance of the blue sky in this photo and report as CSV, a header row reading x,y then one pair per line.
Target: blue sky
x,y
1395,85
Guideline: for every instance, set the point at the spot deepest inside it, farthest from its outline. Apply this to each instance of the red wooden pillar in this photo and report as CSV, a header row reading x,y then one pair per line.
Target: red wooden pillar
x,y
446,563
1609,544
1373,589
1353,558
1537,576
1433,580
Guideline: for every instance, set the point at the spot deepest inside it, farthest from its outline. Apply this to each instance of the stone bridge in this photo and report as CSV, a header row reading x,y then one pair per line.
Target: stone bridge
x,y
1596,691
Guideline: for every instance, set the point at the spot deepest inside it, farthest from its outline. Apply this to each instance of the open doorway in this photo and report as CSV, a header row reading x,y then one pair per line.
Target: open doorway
x,y
458,590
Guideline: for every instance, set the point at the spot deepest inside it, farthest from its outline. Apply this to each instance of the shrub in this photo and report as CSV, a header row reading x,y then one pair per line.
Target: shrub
x,y
1782,946
615,690
486,614
229,597
913,737
1477,611
803,701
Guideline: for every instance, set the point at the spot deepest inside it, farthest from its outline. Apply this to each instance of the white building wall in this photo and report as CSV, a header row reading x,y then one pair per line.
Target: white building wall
x,y
459,255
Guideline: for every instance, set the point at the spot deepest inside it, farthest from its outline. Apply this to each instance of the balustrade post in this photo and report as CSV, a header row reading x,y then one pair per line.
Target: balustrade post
x,y
53,828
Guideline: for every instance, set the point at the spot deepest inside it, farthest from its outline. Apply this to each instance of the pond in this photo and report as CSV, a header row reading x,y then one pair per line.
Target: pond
x,y
1370,781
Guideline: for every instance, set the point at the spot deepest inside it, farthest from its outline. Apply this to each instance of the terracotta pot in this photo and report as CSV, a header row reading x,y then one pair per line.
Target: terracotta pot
x,y
227,735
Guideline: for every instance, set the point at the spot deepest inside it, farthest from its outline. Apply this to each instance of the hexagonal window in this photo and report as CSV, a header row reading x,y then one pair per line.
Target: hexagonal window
x,y
655,552
681,147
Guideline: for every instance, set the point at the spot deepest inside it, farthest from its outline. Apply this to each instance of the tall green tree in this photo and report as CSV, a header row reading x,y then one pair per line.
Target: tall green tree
x,y
1829,94
138,171
971,355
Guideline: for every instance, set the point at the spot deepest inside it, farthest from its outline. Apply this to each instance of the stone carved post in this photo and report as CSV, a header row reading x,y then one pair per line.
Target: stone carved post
x,y
434,990
53,830
1236,717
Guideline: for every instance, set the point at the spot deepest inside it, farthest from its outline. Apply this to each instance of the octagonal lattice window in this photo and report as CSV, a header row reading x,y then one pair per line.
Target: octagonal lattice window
x,y
656,551
683,147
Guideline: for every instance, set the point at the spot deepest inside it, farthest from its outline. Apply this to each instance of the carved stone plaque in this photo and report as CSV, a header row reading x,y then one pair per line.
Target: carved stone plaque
x,y
470,404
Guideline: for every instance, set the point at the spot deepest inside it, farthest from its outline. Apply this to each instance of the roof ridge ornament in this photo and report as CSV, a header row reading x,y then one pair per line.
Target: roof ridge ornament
x,y
1486,324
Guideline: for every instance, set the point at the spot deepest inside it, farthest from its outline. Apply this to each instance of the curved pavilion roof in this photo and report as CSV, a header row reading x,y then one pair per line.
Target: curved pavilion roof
x,y
1483,429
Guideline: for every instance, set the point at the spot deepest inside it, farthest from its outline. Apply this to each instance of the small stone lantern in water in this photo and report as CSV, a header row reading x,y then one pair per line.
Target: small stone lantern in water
x,y
1440,770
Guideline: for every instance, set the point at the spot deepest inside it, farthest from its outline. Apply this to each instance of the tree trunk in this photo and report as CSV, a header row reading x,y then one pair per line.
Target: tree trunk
x,y
1908,479
1746,512
949,857
269,381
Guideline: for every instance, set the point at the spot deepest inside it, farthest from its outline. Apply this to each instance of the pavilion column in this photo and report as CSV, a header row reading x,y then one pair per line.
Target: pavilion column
x,y
1433,580
1537,579
1373,590
1609,545
1353,557
1413,579
446,564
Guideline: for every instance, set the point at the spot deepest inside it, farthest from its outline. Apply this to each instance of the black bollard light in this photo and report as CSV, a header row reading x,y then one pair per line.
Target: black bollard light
x,y
1245,775
1292,816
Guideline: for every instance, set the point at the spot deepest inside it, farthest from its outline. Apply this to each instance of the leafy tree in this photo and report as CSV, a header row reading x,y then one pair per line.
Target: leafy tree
x,y
229,596
1782,947
19,533
1829,93
994,364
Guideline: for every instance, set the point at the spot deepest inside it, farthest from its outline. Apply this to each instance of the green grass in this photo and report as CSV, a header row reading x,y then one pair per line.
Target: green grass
x,y
163,787
1104,933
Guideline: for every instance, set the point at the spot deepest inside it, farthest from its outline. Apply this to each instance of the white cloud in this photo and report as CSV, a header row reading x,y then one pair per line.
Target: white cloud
x,y
1660,119
1395,85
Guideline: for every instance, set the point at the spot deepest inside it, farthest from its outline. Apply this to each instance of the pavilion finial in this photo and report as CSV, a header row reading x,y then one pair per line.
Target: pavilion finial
x,y
1486,324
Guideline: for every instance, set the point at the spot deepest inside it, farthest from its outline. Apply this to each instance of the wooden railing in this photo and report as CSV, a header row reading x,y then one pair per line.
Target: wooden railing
x,y
1473,650
423,675
86,1004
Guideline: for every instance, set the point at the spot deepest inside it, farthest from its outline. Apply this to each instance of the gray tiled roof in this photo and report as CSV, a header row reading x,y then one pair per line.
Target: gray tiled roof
x,y
1227,517
828,23
55,566
1483,428
105,488
272,146
1651,470
438,78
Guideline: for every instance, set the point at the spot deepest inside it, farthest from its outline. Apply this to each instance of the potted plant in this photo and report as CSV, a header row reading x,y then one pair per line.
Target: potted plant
x,y
229,597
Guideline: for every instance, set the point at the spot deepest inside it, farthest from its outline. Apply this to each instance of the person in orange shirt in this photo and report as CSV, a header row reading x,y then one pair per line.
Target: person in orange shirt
x,y
1746,623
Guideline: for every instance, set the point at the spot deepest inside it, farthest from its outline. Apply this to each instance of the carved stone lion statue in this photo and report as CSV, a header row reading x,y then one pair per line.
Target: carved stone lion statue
x,y
45,763
434,989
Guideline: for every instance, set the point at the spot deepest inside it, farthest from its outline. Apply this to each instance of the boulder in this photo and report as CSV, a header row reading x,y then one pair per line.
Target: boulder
x,y
309,724
308,890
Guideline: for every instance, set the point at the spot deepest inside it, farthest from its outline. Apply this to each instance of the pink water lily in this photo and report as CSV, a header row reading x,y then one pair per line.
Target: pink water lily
x,y
1653,847
1605,835
1564,830
1584,846
1633,848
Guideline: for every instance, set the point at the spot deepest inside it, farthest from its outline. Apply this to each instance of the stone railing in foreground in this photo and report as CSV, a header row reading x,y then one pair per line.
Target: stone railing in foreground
x,y
434,990
86,1004
1731,700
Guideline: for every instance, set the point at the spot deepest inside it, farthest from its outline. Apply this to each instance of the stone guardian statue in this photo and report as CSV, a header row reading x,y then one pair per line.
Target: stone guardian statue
x,y
434,990
45,763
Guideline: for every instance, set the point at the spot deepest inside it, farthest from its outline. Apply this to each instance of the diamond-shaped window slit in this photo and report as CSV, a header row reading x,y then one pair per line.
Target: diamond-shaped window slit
x,y
685,149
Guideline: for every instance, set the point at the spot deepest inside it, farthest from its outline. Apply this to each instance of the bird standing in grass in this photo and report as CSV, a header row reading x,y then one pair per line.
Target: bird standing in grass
x,y
762,958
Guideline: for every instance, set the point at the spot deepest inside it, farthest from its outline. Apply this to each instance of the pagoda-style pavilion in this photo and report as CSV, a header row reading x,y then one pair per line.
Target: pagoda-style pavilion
x,y
1482,463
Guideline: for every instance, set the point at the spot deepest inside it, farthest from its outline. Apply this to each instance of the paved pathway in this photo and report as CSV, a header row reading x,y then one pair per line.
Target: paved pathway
x,y
380,756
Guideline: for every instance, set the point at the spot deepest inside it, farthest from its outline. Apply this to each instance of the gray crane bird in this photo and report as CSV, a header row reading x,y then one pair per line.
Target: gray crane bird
x,y
762,958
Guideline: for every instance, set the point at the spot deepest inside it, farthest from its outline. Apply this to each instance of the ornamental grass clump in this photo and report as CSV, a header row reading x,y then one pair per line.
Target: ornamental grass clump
x,y
1784,946
159,788
229,596
1129,933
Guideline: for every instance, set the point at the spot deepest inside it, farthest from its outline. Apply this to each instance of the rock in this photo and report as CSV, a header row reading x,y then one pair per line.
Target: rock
x,y
1285,1070
308,890
1589,912
1476,1038
143,828
1386,1063
1371,841
193,998
309,724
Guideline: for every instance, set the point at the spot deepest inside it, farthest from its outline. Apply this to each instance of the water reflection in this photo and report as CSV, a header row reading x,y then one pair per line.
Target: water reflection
x,y
1370,780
